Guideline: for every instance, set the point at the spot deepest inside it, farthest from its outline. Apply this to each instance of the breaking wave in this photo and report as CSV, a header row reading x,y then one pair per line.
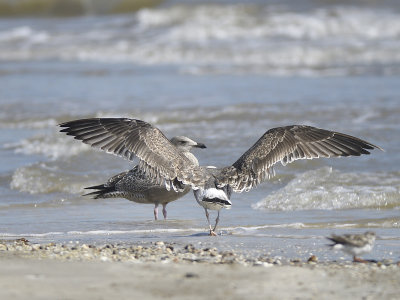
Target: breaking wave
x,y
330,189
45,178
256,38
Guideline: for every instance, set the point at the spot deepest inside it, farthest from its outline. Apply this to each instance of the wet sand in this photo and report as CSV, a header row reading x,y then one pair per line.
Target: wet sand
x,y
161,270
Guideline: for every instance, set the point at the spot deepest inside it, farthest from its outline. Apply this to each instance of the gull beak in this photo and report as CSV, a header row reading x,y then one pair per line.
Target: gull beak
x,y
200,145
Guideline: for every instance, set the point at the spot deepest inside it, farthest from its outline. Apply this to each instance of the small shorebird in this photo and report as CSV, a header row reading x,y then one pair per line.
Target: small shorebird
x,y
164,163
354,244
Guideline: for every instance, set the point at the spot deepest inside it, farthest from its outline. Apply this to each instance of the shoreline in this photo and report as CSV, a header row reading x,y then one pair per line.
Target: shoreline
x,y
163,270
160,251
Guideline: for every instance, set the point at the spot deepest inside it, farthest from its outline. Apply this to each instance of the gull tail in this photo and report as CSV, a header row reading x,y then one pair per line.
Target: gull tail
x,y
103,191
108,189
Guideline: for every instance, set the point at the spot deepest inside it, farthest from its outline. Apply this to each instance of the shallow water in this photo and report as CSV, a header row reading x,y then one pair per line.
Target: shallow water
x,y
176,67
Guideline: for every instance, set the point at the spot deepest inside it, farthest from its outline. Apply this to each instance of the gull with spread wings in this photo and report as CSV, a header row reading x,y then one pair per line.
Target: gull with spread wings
x,y
161,161
136,186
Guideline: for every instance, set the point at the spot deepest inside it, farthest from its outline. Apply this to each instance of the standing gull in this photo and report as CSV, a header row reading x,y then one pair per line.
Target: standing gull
x,y
165,164
136,186
354,244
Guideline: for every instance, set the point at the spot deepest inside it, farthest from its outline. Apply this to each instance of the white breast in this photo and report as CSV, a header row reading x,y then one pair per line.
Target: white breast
x,y
202,195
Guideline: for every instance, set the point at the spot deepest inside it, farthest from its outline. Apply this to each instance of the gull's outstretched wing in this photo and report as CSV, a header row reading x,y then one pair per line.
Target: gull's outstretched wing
x,y
285,145
132,138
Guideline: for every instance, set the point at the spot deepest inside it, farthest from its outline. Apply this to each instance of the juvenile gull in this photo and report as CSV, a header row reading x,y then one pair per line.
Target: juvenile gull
x,y
165,164
354,244
136,186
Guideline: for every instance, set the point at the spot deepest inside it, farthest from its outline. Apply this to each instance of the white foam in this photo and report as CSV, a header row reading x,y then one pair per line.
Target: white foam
x,y
42,178
252,38
52,146
248,229
256,230
23,33
103,232
330,189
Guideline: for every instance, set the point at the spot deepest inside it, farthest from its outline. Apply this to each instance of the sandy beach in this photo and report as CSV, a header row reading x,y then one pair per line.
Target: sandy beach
x,y
161,270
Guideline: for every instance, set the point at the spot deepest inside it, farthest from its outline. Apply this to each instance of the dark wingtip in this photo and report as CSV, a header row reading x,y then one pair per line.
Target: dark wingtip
x,y
63,126
372,146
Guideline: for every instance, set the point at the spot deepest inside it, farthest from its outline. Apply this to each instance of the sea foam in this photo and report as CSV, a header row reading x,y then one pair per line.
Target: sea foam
x,y
326,188
266,39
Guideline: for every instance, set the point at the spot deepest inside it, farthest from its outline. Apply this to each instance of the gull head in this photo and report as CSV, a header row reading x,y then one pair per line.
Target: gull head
x,y
183,143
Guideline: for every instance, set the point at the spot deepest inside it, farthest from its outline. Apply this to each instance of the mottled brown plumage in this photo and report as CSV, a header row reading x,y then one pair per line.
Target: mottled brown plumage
x,y
161,161
285,145
118,136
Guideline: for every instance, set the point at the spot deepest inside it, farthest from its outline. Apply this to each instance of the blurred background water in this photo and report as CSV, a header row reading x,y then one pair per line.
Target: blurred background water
x,y
222,73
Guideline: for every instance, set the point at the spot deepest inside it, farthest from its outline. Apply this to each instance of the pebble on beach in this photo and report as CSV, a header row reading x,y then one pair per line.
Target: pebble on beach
x,y
153,252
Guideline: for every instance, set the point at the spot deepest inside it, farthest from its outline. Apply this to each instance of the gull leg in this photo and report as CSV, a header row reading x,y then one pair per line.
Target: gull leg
x,y
212,233
216,222
164,210
156,211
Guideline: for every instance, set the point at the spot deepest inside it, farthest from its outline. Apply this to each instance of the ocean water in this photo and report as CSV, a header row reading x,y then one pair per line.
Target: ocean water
x,y
221,73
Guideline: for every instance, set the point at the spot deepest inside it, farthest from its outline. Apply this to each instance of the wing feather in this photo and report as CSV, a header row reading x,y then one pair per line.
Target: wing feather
x,y
161,160
285,145
132,138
